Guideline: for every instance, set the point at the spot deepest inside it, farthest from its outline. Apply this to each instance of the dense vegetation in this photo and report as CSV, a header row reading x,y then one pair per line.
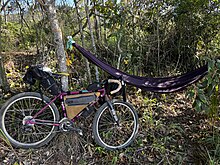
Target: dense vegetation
x,y
146,38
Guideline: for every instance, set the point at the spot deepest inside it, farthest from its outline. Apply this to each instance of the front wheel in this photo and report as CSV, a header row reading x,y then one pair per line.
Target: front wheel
x,y
114,135
22,107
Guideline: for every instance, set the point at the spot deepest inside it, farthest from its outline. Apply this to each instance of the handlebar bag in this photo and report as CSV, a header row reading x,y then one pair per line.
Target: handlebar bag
x,y
76,103
94,86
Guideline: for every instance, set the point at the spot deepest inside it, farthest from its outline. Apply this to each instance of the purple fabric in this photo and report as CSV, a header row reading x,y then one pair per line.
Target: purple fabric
x,y
160,85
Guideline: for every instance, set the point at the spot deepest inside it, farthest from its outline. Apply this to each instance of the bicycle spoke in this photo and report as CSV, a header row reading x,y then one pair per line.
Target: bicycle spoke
x,y
44,114
17,108
22,110
108,118
14,117
42,129
114,135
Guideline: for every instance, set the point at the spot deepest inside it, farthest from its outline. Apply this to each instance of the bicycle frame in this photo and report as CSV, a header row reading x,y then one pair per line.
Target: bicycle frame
x,y
31,119
61,98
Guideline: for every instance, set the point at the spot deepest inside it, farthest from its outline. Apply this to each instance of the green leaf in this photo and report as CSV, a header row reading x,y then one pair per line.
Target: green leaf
x,y
218,65
198,105
191,94
202,97
211,65
209,78
203,84
216,88
200,92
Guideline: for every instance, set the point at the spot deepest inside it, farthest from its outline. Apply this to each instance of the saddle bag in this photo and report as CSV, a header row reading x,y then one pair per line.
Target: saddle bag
x,y
74,104
46,80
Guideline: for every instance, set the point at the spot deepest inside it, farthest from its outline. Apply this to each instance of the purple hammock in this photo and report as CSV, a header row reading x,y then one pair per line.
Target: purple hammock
x,y
160,85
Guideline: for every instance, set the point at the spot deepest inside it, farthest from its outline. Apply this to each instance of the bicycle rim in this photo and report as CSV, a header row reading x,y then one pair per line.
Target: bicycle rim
x,y
17,112
112,135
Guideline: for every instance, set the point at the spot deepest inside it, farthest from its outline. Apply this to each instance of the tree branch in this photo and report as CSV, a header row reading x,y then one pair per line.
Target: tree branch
x,y
4,5
83,27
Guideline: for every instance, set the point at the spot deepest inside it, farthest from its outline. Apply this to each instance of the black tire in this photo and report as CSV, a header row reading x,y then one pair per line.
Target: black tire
x,y
25,105
106,131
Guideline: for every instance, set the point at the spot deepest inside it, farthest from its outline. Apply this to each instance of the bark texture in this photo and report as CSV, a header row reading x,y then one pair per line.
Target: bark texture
x,y
49,6
3,80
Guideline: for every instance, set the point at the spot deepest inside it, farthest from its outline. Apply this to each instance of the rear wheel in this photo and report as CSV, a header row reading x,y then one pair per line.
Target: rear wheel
x,y
110,134
18,110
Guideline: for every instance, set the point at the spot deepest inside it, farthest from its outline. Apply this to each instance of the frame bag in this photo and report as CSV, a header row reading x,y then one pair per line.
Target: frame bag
x,y
76,103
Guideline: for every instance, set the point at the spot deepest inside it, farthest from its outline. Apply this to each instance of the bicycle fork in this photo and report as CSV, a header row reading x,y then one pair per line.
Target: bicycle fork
x,y
113,112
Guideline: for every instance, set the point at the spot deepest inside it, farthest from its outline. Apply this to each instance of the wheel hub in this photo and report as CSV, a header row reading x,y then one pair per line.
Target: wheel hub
x,y
28,121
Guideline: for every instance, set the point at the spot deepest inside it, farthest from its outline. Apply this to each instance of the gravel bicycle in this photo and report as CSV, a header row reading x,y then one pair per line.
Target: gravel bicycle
x,y
32,119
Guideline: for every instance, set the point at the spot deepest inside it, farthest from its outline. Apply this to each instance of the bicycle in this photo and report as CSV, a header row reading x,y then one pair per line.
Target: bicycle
x,y
32,119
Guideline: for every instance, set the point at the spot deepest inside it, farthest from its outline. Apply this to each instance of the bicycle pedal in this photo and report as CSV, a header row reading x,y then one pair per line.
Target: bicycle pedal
x,y
79,131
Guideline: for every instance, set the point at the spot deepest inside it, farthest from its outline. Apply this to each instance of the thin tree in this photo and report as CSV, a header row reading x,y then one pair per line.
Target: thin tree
x,y
3,80
4,4
4,8
49,7
97,23
86,2
82,39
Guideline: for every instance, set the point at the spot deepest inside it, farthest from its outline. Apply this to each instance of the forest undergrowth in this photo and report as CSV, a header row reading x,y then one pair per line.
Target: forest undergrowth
x,y
143,38
170,132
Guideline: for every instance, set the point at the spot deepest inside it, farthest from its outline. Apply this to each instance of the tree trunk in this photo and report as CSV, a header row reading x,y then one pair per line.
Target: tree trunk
x,y
97,24
82,39
158,43
49,6
120,51
3,80
92,36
